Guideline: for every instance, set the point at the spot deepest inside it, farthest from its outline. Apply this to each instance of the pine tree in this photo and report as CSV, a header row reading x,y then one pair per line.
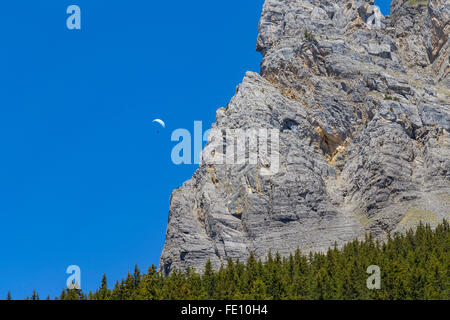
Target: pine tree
x,y
104,292
63,295
136,277
414,265
209,281
128,287
149,285
35,295
258,291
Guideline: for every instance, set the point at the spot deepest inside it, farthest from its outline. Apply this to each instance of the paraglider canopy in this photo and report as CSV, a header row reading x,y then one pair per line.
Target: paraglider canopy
x,y
160,122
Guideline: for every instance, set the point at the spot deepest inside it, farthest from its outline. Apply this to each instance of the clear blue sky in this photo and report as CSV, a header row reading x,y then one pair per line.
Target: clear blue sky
x,y
85,177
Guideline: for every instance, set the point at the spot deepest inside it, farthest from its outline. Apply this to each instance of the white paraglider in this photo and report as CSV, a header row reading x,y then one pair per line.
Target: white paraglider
x,y
160,122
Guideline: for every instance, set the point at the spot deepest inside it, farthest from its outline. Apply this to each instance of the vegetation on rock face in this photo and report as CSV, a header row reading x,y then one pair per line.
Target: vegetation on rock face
x,y
387,97
414,265
310,37
415,3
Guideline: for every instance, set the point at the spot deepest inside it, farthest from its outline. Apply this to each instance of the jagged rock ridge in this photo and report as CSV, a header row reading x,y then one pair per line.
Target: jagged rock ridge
x,y
364,115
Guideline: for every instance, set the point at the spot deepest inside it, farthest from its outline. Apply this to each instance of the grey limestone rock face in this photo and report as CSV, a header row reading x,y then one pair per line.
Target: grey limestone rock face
x,y
363,115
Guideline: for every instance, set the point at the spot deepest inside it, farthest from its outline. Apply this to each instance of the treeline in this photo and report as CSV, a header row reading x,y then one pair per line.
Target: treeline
x,y
414,265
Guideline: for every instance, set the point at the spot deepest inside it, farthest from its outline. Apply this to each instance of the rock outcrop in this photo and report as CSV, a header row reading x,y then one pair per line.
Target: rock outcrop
x,y
362,105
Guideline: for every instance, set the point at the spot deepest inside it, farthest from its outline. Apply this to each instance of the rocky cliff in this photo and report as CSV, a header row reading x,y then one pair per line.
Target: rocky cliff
x,y
362,105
